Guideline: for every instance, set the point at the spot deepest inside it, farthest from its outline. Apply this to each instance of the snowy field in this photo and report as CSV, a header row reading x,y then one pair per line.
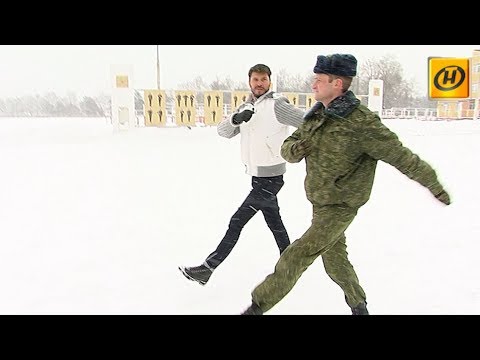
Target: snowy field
x,y
97,222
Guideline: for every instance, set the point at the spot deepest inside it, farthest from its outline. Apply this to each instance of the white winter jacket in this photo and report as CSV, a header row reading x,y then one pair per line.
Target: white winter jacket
x,y
263,136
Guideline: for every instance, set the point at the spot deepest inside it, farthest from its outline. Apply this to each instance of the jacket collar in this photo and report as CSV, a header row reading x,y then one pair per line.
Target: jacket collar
x,y
342,106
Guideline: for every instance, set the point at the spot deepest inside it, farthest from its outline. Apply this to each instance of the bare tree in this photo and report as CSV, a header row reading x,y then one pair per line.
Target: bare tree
x,y
139,102
398,92
218,84
293,83
89,107
197,84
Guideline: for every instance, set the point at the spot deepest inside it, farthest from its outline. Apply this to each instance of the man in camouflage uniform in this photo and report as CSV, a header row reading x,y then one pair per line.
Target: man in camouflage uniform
x,y
341,142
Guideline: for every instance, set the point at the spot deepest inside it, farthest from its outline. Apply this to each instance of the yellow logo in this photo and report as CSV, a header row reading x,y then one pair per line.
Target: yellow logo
x,y
449,78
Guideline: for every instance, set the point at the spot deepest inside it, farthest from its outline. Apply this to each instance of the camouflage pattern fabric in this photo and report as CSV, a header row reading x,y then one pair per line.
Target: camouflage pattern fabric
x,y
341,146
348,140
325,237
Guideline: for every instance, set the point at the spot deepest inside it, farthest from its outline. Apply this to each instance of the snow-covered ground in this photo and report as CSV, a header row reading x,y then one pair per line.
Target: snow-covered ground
x,y
97,222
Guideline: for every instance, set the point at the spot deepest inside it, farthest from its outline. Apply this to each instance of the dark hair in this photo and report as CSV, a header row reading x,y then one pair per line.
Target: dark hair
x,y
260,68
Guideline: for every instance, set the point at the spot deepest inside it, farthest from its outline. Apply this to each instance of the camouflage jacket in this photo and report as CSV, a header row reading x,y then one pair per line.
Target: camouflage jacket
x,y
347,141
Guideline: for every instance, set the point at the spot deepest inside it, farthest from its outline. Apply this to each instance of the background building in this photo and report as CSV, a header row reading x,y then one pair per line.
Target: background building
x,y
464,108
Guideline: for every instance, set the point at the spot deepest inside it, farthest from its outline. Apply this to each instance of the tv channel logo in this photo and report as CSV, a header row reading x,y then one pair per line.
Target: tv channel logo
x,y
449,78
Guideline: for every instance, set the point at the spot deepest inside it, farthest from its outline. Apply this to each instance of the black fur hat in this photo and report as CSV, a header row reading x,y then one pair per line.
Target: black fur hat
x,y
336,64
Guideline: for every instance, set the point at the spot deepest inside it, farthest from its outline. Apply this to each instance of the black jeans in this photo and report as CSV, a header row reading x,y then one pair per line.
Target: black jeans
x,y
263,197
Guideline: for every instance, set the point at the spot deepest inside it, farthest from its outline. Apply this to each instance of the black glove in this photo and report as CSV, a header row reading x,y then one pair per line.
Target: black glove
x,y
444,197
244,115
302,148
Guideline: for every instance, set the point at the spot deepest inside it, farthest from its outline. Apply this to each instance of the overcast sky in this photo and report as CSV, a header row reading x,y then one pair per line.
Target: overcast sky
x,y
85,69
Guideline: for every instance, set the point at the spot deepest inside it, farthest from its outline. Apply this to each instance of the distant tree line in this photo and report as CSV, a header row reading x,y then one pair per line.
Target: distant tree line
x,y
52,105
398,92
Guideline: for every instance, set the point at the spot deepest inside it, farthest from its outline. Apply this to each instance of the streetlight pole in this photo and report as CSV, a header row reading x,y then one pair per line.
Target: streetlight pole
x,y
158,67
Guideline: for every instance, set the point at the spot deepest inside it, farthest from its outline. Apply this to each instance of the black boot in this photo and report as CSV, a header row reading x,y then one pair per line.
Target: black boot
x,y
200,274
360,309
254,309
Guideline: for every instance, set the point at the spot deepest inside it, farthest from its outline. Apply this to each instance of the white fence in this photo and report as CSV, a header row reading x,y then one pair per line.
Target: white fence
x,y
410,113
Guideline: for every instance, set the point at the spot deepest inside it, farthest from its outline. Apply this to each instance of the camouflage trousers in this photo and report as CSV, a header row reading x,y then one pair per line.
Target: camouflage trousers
x,y
325,238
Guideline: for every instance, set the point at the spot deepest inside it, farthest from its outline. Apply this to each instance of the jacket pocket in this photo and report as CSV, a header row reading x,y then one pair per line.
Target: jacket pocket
x,y
274,144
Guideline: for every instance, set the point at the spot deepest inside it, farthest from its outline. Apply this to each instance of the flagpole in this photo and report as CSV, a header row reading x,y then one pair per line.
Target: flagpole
x,y
158,67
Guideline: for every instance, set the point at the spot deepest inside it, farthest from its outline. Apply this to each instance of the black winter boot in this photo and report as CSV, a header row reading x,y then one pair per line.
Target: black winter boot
x,y
360,309
254,309
200,274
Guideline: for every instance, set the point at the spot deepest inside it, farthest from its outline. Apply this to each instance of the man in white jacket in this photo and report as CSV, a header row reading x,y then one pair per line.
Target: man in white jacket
x,y
262,121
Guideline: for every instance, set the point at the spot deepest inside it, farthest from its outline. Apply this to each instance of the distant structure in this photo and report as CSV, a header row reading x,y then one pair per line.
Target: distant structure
x,y
375,96
464,108
123,97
